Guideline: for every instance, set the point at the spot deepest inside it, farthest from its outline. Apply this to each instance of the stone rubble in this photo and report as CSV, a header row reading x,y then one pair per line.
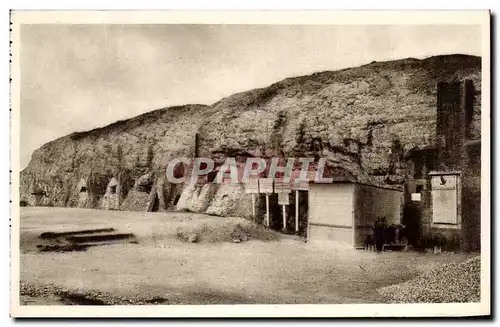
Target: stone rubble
x,y
449,283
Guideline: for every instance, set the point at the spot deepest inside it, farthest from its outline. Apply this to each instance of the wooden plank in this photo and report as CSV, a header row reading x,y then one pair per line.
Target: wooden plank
x,y
252,186
267,210
266,185
281,187
253,205
296,211
284,216
283,199
330,225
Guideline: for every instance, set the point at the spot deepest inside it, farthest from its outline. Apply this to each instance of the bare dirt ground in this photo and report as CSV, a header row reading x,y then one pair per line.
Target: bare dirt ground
x,y
269,268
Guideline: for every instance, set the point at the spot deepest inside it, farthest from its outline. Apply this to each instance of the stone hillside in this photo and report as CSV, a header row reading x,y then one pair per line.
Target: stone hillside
x,y
361,119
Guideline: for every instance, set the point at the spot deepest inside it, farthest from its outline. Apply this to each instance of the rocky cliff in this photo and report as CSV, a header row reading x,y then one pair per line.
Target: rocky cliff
x,y
362,120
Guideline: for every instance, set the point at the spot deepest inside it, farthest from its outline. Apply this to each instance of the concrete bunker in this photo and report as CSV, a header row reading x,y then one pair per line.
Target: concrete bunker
x,y
345,212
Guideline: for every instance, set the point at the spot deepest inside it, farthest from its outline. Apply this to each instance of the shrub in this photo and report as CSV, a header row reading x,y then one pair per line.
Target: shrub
x,y
23,203
430,241
452,243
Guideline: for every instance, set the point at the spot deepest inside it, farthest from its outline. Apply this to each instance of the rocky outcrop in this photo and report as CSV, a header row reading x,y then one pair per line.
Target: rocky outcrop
x,y
132,151
362,120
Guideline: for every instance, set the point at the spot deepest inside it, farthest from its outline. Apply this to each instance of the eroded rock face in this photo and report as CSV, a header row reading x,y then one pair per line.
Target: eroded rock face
x,y
126,150
196,198
361,119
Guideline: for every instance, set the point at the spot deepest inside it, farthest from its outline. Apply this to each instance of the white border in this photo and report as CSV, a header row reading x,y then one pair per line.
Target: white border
x,y
257,17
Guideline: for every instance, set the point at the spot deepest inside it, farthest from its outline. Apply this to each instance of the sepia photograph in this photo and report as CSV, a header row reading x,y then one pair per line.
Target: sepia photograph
x,y
250,164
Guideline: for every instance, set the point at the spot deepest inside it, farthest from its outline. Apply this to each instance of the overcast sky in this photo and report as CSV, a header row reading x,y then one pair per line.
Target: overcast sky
x,y
78,77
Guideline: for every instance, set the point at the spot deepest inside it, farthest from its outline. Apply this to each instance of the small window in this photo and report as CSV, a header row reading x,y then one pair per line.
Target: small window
x,y
83,189
112,190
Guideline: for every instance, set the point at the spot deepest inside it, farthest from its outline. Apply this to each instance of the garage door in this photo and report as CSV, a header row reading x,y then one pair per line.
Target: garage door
x,y
331,213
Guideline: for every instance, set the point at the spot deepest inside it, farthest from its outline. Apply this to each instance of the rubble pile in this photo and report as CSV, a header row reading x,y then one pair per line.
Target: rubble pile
x,y
450,283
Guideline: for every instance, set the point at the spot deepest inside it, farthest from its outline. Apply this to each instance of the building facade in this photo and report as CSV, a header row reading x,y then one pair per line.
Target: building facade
x,y
345,213
443,185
